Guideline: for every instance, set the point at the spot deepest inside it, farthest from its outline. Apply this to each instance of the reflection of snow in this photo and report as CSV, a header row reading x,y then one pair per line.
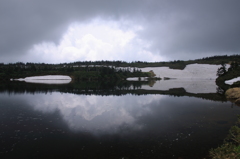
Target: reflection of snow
x,y
91,113
48,79
230,82
195,78
191,86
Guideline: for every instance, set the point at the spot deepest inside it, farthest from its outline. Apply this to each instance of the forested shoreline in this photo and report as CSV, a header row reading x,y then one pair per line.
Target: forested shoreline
x,y
89,73
100,70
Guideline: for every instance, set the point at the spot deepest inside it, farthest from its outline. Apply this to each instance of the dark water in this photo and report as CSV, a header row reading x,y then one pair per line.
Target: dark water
x,y
59,124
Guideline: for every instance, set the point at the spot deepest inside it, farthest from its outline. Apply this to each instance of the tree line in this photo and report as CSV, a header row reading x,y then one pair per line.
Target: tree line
x,y
77,72
101,69
223,69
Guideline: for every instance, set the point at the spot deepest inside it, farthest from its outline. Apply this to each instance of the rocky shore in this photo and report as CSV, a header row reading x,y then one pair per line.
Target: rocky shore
x,y
233,94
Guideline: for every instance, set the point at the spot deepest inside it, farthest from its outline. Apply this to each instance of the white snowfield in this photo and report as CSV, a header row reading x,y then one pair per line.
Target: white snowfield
x,y
195,78
137,79
48,79
193,71
230,82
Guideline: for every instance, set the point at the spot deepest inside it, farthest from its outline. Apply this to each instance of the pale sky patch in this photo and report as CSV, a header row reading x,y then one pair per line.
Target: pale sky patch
x,y
95,40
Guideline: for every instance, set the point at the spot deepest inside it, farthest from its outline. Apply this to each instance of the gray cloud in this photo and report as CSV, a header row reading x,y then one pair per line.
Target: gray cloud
x,y
177,29
198,29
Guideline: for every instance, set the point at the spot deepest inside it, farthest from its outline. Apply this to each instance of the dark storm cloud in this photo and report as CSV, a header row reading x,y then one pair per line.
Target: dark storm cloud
x,y
180,29
211,27
198,29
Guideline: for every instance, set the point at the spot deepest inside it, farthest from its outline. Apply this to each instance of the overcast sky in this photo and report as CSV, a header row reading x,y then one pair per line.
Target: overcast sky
x,y
55,31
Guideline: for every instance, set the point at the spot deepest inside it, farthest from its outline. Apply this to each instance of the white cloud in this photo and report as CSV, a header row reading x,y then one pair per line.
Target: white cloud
x,y
95,40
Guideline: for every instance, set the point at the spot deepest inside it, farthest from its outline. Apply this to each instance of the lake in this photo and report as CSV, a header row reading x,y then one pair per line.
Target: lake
x,y
108,120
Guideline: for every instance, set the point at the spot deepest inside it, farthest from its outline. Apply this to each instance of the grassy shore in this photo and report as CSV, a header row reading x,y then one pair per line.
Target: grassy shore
x,y
230,149
231,146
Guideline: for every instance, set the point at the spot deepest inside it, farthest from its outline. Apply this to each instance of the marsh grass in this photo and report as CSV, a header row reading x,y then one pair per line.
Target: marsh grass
x,y
231,146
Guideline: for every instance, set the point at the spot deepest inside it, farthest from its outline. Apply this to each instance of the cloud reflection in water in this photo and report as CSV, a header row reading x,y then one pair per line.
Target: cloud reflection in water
x,y
95,113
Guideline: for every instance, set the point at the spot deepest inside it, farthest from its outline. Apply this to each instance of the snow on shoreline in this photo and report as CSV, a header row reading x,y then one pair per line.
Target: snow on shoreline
x,y
230,82
192,71
195,78
137,78
48,79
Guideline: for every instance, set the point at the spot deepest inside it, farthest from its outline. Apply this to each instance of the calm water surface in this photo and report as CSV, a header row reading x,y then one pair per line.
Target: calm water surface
x,y
65,125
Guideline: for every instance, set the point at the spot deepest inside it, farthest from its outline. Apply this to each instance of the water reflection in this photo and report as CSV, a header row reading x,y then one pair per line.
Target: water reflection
x,y
190,85
69,125
92,113
119,88
105,114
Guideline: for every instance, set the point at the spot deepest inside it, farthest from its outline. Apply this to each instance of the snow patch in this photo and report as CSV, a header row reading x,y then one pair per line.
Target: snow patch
x,y
48,79
137,79
195,78
230,82
192,71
